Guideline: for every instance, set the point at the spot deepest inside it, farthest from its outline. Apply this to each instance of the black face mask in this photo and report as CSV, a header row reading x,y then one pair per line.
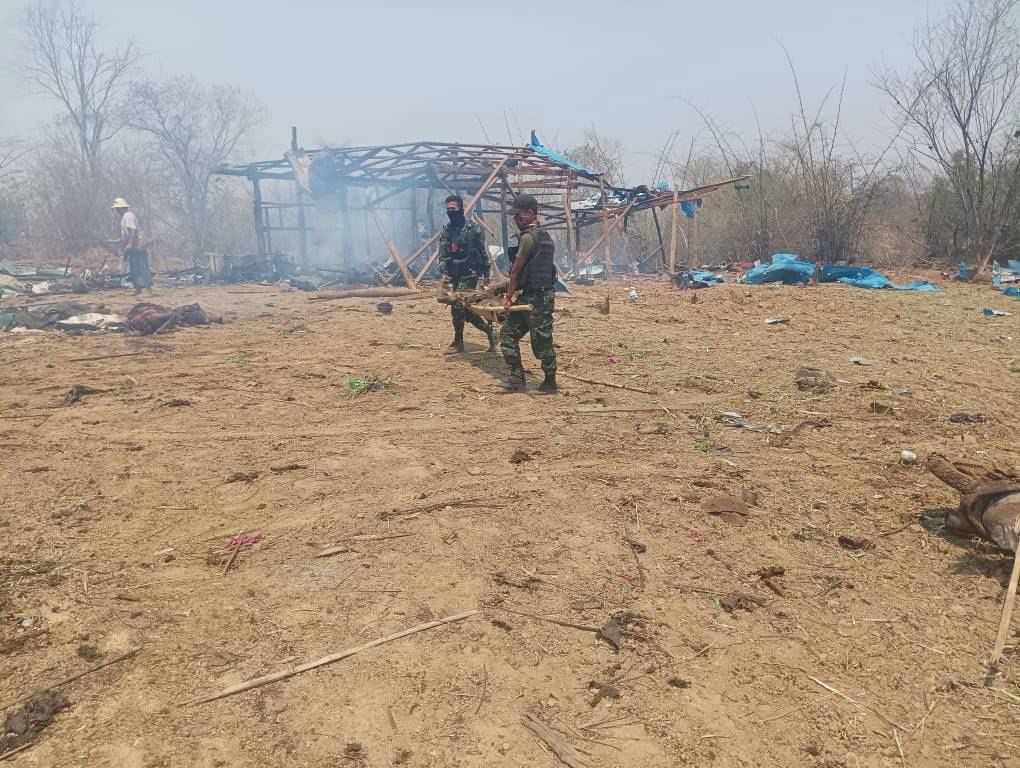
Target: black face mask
x,y
456,218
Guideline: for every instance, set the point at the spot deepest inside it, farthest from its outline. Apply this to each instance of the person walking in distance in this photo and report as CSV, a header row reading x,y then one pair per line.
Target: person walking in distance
x,y
136,256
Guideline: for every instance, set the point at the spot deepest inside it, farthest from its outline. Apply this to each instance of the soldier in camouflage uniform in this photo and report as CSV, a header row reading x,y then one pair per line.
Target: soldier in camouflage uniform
x,y
465,262
532,277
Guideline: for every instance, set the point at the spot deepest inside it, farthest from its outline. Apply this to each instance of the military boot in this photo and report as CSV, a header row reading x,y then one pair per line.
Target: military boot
x,y
493,337
457,345
515,380
548,386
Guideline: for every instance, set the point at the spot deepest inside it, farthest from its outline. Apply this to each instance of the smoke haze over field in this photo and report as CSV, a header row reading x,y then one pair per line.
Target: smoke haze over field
x,y
398,70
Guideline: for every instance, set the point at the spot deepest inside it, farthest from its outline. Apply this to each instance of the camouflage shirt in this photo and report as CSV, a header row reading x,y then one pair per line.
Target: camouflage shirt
x,y
464,254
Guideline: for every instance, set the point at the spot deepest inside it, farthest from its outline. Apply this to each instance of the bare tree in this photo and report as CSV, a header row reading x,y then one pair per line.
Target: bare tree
x,y
11,151
193,129
64,59
961,106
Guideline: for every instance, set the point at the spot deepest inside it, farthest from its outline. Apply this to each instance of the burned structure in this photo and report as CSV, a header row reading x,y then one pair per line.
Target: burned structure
x,y
342,203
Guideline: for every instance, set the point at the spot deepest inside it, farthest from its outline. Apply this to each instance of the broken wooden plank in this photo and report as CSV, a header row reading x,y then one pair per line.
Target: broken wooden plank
x,y
566,753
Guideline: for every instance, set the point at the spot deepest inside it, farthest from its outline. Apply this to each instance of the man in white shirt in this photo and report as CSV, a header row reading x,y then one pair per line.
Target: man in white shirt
x,y
135,255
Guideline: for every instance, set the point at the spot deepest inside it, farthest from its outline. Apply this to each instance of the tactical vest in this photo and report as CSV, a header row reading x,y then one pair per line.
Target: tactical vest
x,y
540,271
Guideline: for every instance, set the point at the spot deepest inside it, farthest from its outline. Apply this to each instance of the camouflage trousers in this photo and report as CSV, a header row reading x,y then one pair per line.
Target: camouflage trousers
x,y
538,322
459,314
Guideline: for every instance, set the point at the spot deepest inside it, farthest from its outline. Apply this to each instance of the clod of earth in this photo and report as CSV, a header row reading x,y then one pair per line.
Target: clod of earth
x,y
967,418
738,601
88,652
855,542
25,724
519,457
177,402
603,691
384,307
288,467
728,509
882,409
502,624
242,477
679,682
771,571
813,380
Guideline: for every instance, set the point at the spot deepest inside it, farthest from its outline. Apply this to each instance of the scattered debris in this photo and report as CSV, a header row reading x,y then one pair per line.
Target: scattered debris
x,y
734,419
863,361
678,682
908,458
810,533
384,308
288,468
769,574
367,293
778,321
854,542
996,313
967,418
881,409
749,497
69,679
529,583
78,391
354,751
303,284
614,359
502,624
813,380
371,382
566,753
258,682
24,725
242,477
454,395
731,510
177,402
619,625
91,321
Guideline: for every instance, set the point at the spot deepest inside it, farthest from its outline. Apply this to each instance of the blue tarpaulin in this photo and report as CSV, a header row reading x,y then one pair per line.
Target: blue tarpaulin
x,y
555,156
690,207
706,278
862,277
785,268
1012,291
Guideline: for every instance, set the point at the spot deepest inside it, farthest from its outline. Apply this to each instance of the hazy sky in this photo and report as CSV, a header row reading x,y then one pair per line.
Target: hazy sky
x,y
384,71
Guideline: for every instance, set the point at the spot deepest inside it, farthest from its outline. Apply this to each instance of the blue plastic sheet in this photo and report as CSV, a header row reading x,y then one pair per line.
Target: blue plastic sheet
x,y
785,268
863,277
1013,291
556,157
690,207
706,278
1013,265
965,273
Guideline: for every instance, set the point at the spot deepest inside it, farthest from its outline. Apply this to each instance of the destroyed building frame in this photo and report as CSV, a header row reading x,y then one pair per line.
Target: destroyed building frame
x,y
486,176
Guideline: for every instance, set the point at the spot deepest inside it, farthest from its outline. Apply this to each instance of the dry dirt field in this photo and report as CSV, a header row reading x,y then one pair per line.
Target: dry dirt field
x,y
116,512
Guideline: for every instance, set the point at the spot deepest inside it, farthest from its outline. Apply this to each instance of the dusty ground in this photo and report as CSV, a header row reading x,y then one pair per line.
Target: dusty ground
x,y
116,512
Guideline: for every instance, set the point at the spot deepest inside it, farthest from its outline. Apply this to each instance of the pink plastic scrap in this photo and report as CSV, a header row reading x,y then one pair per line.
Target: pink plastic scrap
x,y
244,538
614,359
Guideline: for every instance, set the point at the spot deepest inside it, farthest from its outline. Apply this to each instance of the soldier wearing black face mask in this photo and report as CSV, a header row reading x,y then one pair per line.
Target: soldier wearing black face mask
x,y
465,263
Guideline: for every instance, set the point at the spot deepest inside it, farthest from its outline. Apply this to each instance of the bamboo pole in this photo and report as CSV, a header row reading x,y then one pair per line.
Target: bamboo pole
x,y
672,234
605,229
1007,613
258,682
394,253
569,221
